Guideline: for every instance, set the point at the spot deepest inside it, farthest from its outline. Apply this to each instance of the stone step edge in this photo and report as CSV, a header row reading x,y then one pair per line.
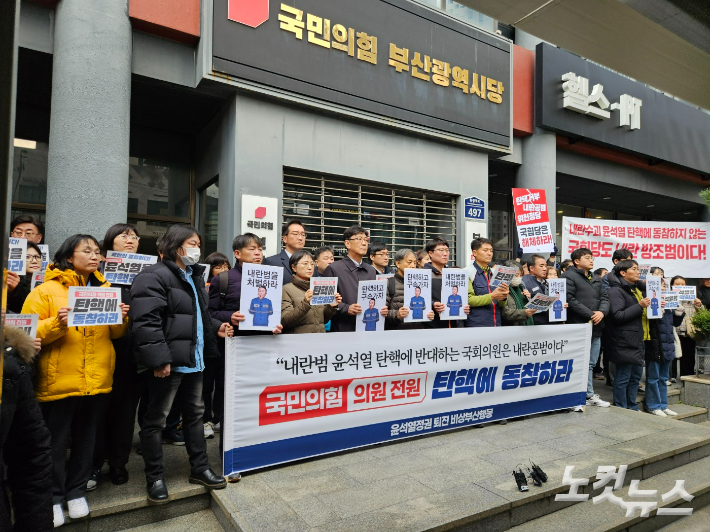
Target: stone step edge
x,y
699,411
135,503
231,520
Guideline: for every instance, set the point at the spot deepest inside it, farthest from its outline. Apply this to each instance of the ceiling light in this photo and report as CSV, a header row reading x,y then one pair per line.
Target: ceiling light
x,y
687,213
557,188
28,144
606,197
560,212
598,217
649,206
492,175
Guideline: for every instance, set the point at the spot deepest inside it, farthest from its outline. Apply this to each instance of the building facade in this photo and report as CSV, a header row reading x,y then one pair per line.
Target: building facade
x,y
386,114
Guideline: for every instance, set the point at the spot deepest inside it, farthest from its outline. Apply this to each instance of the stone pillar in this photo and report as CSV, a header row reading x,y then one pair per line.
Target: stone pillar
x,y
87,181
539,168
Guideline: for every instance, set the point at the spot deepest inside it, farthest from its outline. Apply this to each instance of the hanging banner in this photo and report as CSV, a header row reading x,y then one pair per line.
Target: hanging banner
x,y
532,220
122,268
290,397
677,247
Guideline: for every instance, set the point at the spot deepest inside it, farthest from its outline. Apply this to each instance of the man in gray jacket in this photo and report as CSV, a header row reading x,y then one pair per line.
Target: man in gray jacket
x,y
588,301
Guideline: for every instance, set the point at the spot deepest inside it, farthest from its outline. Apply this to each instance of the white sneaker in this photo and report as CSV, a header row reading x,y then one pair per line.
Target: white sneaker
x,y
595,400
668,383
78,508
209,430
669,412
58,515
659,413
217,427
578,408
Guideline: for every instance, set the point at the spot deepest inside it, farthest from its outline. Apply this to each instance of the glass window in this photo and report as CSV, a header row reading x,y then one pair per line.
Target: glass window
x,y
630,217
563,210
499,217
149,232
597,214
208,202
29,172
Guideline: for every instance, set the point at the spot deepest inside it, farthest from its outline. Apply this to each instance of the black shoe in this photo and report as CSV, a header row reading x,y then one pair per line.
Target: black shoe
x,y
520,480
208,479
118,475
93,481
173,437
157,492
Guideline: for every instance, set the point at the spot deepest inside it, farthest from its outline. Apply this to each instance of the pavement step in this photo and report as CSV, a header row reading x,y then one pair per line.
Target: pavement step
x,y
690,414
202,521
603,517
698,522
705,424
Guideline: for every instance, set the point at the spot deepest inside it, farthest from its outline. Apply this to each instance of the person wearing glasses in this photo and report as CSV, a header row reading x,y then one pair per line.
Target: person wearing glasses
x,y
19,286
115,434
26,226
74,370
380,258
293,235
350,271
438,251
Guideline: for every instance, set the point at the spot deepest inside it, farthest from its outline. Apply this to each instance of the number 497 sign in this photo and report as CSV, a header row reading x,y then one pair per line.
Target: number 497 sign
x,y
474,208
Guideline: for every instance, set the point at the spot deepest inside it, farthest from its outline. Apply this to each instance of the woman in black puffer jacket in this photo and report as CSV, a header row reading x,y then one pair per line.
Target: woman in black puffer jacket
x,y
172,333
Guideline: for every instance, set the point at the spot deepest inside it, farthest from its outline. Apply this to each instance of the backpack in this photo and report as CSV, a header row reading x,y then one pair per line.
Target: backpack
x,y
223,285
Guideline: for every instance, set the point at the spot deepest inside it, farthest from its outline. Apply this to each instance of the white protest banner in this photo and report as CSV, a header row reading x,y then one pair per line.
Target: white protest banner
x,y
324,290
417,294
558,289
37,278
261,296
653,292
541,302
205,273
644,269
678,247
94,306
685,293
17,257
371,296
26,322
44,249
671,299
502,275
122,268
454,293
532,220
289,397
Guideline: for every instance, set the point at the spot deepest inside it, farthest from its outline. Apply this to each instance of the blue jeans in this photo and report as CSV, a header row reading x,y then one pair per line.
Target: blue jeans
x,y
656,388
593,358
626,385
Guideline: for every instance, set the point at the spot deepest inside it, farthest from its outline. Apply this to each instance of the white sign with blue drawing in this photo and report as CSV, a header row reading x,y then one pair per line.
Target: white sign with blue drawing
x,y
474,208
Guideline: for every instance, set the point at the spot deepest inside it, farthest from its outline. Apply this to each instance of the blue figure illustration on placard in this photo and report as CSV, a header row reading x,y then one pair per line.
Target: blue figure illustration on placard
x,y
557,307
417,304
654,304
371,316
261,308
454,301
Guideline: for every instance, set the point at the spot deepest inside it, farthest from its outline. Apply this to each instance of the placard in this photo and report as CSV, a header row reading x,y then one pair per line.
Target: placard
x,y
532,220
17,256
121,267
454,293
653,292
206,273
294,396
94,306
685,293
371,296
37,279
671,299
558,289
541,302
324,290
502,275
26,322
44,249
261,297
417,294
384,276
644,270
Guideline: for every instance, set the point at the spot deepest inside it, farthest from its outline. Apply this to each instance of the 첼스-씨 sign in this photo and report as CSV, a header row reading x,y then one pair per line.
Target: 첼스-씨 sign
x,y
290,397
677,247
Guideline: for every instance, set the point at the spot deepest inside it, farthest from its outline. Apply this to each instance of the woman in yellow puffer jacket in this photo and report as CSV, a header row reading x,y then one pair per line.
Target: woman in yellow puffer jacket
x,y
74,370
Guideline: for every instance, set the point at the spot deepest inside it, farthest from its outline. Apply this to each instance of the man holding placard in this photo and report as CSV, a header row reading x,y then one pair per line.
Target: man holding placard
x,y
372,295
485,303
438,250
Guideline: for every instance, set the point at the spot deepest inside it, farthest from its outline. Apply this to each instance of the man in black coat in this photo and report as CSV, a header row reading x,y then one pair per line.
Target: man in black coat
x,y
587,301
536,283
627,330
350,270
293,235
25,442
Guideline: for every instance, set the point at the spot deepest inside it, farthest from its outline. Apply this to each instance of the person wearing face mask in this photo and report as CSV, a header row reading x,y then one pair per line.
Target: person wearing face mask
x,y
514,311
297,314
16,296
74,370
172,334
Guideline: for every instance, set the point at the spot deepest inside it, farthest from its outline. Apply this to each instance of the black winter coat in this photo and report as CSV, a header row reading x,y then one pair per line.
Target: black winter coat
x,y
16,298
163,326
25,443
662,342
624,340
585,297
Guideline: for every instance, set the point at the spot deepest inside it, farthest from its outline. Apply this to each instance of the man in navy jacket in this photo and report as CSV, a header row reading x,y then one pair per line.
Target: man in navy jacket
x,y
293,235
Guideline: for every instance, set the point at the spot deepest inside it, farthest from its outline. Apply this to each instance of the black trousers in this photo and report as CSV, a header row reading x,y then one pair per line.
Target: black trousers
x,y
115,435
213,383
72,421
687,361
186,390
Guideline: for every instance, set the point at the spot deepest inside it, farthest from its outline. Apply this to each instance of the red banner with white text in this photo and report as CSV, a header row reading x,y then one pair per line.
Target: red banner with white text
x,y
532,220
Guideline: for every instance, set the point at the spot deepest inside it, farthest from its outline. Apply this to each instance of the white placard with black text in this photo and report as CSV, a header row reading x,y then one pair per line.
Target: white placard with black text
x,y
454,280
558,289
261,296
417,294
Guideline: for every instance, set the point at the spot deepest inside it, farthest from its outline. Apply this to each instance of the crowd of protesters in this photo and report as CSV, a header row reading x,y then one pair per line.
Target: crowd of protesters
x,y
77,391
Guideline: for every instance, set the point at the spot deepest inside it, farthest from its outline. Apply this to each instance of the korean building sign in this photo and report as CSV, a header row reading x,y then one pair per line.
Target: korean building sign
x,y
389,58
578,98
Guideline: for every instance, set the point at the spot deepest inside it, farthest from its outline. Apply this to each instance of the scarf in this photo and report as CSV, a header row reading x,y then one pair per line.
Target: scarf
x,y
644,319
519,299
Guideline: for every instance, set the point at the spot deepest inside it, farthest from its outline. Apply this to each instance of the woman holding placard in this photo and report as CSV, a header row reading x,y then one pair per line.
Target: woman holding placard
x,y
298,316
19,286
74,370
404,258
686,331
